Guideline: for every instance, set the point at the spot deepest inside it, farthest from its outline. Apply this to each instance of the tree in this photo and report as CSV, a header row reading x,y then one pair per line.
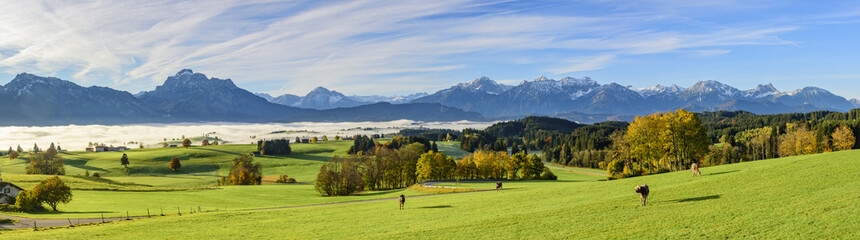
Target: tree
x,y
314,140
434,147
325,138
205,142
20,150
13,155
124,160
186,143
274,147
843,138
46,163
53,191
515,149
243,171
339,177
336,137
175,164
298,140
36,148
216,142
141,145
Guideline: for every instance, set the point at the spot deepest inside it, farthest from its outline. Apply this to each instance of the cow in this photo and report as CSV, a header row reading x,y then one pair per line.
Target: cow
x,y
643,193
695,169
498,186
402,201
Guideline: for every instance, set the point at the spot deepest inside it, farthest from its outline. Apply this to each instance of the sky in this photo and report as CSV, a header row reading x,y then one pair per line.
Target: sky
x,y
380,47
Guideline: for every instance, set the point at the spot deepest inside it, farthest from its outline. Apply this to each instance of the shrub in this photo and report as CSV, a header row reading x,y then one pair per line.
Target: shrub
x,y
4,221
53,191
9,199
223,181
548,175
86,173
28,201
96,174
285,179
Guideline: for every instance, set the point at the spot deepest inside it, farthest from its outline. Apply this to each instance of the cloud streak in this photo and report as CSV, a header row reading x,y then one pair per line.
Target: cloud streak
x,y
297,45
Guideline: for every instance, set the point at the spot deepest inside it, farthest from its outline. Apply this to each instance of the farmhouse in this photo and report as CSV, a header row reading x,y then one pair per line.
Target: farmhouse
x,y
8,190
106,149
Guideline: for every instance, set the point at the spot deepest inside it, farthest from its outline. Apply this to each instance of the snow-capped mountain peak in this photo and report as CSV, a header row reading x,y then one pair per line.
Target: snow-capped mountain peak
x,y
484,84
762,91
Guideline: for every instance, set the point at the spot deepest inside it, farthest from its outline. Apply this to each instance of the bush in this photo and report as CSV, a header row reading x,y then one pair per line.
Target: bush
x,y
548,175
223,181
4,221
96,174
86,173
285,179
9,199
28,201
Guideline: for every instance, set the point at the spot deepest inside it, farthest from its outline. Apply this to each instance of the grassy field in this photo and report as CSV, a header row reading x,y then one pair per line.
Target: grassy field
x,y
812,196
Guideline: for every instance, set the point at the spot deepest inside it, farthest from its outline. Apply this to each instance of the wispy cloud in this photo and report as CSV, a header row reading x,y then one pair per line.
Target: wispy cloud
x,y
134,45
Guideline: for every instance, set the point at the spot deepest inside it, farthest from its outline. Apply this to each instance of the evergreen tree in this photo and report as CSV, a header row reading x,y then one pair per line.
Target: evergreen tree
x,y
36,148
434,147
298,140
515,149
20,150
124,160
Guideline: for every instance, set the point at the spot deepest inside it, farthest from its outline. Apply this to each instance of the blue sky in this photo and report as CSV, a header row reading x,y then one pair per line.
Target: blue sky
x,y
399,47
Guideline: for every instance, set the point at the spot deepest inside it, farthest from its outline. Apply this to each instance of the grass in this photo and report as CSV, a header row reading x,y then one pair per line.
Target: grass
x,y
805,197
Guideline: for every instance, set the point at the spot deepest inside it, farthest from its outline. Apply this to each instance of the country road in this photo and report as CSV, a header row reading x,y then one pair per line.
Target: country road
x,y
29,222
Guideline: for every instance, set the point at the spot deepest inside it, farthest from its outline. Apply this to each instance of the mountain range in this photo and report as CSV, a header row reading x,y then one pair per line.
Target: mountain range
x,y
193,97
578,96
321,98
185,97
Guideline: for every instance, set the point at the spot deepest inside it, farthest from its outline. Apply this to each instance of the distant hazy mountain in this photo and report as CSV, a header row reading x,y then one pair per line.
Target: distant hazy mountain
x,y
184,97
388,99
544,96
29,99
322,98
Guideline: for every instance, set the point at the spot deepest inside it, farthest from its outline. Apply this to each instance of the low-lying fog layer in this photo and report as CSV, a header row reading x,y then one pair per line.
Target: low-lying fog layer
x,y
77,137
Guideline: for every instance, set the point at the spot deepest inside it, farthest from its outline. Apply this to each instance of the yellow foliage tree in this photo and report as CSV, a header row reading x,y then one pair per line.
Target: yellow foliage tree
x,y
843,138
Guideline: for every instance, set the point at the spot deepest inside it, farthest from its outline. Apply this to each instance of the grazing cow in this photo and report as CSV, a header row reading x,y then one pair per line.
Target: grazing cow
x,y
402,201
695,169
498,186
643,193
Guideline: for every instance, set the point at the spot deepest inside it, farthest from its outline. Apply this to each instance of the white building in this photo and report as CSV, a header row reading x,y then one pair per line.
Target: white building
x,y
8,189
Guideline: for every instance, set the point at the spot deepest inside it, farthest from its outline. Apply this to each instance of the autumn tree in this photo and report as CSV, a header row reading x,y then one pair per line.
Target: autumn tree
x,y
797,140
243,171
53,191
13,155
325,138
314,140
175,164
434,166
843,138
186,143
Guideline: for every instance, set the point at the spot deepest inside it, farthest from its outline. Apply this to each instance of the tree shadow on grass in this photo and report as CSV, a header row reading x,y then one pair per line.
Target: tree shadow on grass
x,y
718,173
696,199
438,206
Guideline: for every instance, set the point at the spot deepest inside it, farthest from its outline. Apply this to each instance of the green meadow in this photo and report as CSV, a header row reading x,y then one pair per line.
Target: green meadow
x,y
812,196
